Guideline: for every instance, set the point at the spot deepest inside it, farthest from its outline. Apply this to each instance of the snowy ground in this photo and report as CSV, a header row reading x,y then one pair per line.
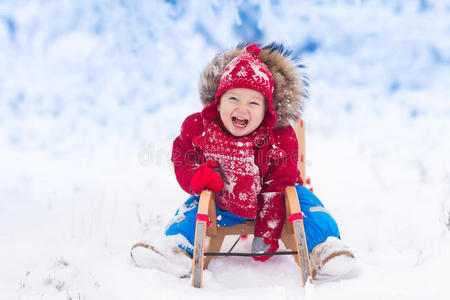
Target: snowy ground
x,y
91,96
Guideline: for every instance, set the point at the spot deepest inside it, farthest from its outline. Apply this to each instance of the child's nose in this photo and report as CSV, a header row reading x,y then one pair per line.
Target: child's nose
x,y
242,107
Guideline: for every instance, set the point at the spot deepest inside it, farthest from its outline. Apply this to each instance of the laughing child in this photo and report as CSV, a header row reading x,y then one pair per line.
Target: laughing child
x,y
242,147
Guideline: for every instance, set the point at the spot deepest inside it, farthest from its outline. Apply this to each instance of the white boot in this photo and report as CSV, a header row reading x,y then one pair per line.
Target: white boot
x,y
166,258
332,258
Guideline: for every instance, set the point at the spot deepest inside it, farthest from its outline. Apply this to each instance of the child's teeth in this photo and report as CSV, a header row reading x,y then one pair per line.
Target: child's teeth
x,y
240,122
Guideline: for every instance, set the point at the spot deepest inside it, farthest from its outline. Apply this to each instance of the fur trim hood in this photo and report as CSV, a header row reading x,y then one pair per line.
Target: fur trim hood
x,y
290,86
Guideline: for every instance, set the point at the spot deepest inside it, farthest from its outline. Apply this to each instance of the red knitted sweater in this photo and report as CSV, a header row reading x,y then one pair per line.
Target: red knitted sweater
x,y
256,168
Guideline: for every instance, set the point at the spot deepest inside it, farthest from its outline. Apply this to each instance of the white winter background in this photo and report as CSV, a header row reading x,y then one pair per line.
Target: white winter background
x,y
92,93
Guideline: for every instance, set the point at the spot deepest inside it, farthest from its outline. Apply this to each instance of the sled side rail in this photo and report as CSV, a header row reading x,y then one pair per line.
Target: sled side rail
x,y
201,225
294,220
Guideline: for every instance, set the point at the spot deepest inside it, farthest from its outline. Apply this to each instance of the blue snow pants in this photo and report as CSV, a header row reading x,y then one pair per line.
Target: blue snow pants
x,y
319,224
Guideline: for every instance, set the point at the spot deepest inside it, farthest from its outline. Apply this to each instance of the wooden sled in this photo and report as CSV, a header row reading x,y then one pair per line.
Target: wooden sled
x,y
293,234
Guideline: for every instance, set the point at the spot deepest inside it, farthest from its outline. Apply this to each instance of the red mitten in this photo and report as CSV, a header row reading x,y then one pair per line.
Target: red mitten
x,y
206,178
273,247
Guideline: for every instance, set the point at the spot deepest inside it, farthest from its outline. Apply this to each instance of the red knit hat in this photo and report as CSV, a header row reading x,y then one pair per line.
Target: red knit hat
x,y
247,71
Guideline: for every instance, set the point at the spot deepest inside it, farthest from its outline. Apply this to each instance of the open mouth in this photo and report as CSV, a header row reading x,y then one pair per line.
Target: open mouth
x,y
239,122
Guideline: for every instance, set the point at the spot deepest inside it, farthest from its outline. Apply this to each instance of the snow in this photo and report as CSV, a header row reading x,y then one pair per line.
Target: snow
x,y
92,94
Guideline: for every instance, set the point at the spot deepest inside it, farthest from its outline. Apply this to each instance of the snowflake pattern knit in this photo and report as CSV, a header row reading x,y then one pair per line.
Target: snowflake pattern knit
x,y
237,167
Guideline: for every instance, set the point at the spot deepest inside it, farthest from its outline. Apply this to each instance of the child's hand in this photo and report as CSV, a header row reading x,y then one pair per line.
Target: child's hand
x,y
262,245
206,178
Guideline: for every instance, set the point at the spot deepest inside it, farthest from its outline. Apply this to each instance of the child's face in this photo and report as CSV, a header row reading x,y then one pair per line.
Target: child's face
x,y
241,110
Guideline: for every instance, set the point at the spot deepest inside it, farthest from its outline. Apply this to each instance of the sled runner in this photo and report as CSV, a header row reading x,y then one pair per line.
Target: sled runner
x,y
293,234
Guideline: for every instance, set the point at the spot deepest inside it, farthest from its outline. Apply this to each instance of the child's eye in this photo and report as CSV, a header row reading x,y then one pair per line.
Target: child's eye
x,y
254,103
234,99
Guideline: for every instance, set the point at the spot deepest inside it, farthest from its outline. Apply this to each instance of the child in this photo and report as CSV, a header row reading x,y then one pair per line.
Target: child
x,y
242,147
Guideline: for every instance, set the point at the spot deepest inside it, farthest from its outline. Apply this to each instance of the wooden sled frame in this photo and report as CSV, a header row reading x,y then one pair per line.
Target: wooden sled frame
x,y
293,234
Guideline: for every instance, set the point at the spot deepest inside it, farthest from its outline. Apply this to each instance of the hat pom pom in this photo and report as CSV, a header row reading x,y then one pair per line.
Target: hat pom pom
x,y
253,50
